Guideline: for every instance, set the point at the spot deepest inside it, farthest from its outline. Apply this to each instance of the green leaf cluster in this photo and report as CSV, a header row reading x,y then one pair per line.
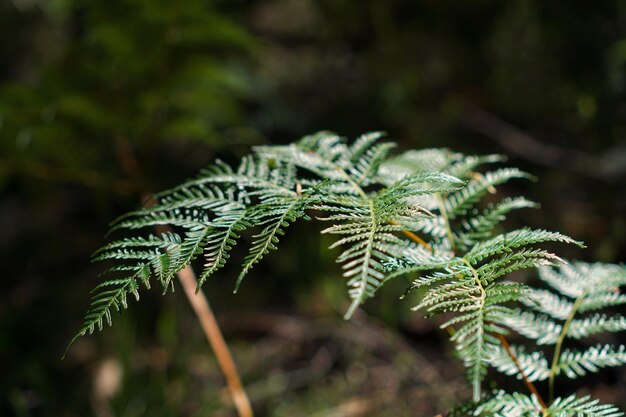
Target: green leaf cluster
x,y
420,213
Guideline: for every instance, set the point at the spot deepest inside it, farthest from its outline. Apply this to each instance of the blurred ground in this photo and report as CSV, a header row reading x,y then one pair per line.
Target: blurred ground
x,y
84,82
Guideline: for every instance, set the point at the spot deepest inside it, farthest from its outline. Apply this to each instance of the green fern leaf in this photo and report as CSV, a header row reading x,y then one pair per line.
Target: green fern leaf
x,y
534,364
575,364
275,214
534,326
503,404
458,203
582,407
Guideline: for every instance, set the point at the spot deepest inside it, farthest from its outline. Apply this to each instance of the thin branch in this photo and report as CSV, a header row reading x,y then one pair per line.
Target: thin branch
x,y
559,343
211,329
529,384
415,238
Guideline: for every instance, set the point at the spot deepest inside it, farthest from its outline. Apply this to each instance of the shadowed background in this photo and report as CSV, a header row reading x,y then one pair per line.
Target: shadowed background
x,y
100,100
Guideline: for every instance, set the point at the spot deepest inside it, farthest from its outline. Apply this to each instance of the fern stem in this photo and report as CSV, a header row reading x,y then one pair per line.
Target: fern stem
x,y
415,238
559,343
214,335
530,385
444,214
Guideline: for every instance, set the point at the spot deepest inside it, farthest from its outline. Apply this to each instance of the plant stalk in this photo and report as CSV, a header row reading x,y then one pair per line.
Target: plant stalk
x,y
415,238
559,343
530,385
211,329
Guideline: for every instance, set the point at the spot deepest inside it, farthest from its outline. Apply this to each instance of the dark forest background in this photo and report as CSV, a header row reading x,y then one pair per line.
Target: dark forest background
x,y
101,99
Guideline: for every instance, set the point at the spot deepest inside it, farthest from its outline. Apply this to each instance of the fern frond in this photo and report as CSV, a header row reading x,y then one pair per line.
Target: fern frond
x,y
368,236
416,258
475,343
275,215
105,300
365,165
578,278
421,212
371,224
409,162
516,239
469,288
363,144
458,203
369,229
537,327
464,166
575,364
503,404
582,407
164,240
482,226
594,324
472,291
599,300
534,364
478,306
226,229
212,211
547,302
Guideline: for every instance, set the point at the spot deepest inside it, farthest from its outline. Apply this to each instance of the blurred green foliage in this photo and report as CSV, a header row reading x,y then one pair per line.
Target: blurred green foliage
x,y
137,71
86,83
